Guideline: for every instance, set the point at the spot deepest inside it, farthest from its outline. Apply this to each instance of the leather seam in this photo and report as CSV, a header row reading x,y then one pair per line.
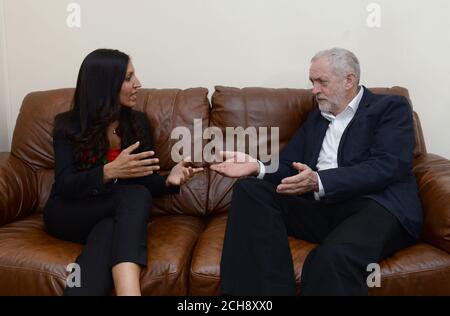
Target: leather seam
x,y
391,276
415,272
32,270
204,276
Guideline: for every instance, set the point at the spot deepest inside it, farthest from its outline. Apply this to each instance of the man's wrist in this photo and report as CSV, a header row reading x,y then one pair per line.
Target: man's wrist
x,y
262,170
316,184
320,189
257,169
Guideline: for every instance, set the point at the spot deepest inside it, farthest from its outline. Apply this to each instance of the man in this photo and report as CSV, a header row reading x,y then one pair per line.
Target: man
x,y
344,182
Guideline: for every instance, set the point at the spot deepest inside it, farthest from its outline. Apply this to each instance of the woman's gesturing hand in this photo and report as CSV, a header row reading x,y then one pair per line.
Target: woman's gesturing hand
x,y
128,165
181,173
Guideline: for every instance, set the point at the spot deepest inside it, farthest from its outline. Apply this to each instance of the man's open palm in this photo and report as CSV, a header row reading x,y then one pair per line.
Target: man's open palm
x,y
236,164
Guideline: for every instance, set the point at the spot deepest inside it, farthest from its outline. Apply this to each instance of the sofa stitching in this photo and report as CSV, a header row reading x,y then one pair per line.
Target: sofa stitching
x,y
208,185
391,276
181,267
400,274
174,110
205,276
224,195
194,246
191,257
5,267
170,274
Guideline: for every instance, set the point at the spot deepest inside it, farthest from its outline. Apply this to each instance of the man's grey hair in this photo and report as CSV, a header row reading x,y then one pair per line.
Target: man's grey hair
x,y
342,61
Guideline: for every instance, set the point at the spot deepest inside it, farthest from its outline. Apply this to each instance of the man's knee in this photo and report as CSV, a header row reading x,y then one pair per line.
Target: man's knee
x,y
252,186
332,255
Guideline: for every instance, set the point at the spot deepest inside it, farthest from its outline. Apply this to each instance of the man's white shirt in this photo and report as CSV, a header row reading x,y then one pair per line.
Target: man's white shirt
x,y
330,145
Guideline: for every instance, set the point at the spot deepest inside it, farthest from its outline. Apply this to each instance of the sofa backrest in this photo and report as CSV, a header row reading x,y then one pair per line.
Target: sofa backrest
x,y
258,107
169,108
32,140
165,108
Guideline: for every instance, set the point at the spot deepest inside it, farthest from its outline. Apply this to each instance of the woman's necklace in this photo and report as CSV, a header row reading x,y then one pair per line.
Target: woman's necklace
x,y
115,130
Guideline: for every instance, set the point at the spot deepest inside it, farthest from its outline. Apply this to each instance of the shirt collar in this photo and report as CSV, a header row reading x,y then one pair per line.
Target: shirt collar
x,y
353,105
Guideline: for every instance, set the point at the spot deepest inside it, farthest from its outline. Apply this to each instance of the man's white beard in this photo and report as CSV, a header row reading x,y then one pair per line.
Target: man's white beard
x,y
332,107
327,107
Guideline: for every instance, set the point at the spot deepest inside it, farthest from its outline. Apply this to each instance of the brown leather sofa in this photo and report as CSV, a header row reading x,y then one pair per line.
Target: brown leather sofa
x,y
186,231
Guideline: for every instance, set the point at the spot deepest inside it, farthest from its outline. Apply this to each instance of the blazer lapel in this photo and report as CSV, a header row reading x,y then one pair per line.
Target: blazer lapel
x,y
318,137
363,105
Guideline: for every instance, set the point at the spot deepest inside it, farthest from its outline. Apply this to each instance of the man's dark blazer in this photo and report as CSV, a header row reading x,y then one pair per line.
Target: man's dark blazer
x,y
374,157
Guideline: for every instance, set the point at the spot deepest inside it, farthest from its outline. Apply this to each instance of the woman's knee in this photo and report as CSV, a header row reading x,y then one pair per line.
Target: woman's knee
x,y
102,232
133,193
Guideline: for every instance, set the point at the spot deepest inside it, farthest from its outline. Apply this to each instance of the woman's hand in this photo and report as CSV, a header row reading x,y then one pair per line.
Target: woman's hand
x,y
128,165
181,173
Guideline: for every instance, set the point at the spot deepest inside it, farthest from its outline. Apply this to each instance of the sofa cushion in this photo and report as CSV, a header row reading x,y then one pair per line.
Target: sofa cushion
x,y
167,109
286,109
45,179
171,241
191,200
205,268
31,261
418,270
34,263
204,273
33,135
18,189
433,178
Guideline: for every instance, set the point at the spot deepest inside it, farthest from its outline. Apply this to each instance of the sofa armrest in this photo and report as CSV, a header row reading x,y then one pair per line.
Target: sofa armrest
x,y
18,189
433,178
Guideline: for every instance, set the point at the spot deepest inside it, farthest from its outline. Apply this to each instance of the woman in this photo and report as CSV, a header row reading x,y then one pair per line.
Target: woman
x,y
105,176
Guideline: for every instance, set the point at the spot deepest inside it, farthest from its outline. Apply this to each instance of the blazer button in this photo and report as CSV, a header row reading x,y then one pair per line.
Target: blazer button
x,y
94,192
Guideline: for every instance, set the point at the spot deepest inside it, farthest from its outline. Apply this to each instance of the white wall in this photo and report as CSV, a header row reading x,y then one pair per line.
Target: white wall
x,y
187,43
4,101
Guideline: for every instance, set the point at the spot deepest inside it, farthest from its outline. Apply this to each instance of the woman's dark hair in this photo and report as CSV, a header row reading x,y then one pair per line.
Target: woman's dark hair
x,y
97,104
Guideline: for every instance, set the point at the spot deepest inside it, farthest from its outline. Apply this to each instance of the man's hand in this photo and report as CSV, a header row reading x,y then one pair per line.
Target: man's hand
x,y
303,182
181,173
236,165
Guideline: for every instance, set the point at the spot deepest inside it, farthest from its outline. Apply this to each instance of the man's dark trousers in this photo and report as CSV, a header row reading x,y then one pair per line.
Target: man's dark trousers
x,y
351,234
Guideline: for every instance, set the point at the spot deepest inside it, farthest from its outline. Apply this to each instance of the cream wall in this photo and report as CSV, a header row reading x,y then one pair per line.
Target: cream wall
x,y
4,101
187,43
